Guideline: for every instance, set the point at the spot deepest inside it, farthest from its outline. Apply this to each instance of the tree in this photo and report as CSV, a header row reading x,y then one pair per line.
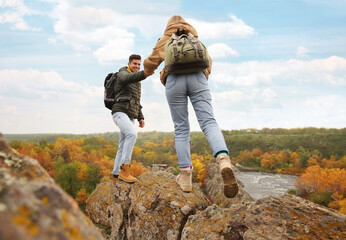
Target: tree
x,y
267,162
199,168
67,179
92,178
304,156
82,196
294,159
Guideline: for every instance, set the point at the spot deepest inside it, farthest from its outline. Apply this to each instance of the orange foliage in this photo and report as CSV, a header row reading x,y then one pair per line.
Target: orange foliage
x,y
137,169
332,163
267,161
136,152
82,172
106,166
244,156
150,145
294,159
339,205
320,180
317,179
199,168
292,170
312,161
82,196
256,152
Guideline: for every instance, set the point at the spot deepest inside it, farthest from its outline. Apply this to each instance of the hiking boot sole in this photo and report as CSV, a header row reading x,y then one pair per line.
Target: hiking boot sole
x,y
186,189
127,180
230,185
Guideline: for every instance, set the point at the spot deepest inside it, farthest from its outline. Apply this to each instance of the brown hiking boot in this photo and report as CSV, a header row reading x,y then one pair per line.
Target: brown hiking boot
x,y
230,185
184,179
125,174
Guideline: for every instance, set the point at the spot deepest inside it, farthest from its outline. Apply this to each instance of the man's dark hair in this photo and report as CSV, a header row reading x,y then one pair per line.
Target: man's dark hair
x,y
134,56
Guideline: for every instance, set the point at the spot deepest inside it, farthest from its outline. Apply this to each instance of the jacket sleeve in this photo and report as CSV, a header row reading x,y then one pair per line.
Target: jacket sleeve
x,y
140,114
208,70
125,77
153,61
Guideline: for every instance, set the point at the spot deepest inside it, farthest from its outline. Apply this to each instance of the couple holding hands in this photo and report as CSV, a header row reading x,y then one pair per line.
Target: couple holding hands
x,y
178,88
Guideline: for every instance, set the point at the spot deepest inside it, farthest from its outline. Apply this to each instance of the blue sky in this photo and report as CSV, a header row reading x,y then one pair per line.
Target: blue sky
x,y
276,63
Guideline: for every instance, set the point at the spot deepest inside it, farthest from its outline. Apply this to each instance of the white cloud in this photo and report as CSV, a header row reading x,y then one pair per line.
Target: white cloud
x,y
95,29
86,26
15,13
221,50
236,28
157,116
103,32
112,52
286,94
45,102
330,70
247,99
318,111
302,51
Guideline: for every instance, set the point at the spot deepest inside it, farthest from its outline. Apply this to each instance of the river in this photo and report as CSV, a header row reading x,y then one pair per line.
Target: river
x,y
259,185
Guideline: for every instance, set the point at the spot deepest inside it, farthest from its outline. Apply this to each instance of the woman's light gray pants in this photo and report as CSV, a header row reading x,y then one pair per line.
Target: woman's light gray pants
x,y
195,86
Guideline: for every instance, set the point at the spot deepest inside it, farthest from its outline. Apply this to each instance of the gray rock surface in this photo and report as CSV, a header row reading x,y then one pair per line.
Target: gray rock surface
x,y
152,208
33,206
284,217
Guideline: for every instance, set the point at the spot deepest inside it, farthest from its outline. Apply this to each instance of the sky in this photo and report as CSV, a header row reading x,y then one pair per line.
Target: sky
x,y
276,63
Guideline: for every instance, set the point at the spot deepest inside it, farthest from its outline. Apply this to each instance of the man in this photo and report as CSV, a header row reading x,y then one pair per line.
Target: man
x,y
180,87
126,109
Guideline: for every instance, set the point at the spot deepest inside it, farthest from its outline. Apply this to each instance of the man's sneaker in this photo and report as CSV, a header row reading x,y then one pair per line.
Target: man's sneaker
x,y
230,185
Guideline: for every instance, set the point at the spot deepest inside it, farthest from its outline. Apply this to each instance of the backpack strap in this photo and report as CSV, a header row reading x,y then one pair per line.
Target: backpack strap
x,y
175,47
193,41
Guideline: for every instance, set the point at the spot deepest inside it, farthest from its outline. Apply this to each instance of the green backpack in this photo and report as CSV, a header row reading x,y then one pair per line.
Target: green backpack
x,y
185,54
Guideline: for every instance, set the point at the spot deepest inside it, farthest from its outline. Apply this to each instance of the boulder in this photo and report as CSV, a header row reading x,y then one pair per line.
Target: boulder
x,y
33,206
108,205
284,217
152,208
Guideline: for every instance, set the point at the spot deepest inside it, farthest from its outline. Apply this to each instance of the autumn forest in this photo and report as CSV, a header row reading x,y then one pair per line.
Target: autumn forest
x,y
317,155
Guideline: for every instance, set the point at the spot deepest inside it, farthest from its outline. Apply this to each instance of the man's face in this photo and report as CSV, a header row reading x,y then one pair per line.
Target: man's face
x,y
135,65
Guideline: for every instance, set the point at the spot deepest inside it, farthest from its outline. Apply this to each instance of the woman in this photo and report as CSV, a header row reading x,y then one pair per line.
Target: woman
x,y
195,86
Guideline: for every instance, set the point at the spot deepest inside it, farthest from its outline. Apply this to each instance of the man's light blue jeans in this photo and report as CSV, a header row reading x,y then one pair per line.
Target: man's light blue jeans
x,y
127,140
195,86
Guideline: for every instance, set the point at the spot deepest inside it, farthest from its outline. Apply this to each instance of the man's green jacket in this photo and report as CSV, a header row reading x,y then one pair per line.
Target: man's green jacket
x,y
128,93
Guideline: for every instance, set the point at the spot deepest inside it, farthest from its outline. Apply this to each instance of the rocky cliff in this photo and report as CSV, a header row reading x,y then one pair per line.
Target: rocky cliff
x,y
32,206
155,208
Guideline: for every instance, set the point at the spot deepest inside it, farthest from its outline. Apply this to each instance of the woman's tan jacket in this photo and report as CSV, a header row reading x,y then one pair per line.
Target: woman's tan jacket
x,y
152,62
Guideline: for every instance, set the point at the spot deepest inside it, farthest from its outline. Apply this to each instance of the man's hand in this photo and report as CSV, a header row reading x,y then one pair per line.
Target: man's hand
x,y
146,74
141,123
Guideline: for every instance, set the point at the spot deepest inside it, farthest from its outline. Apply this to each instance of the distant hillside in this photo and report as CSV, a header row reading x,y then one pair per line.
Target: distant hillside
x,y
329,141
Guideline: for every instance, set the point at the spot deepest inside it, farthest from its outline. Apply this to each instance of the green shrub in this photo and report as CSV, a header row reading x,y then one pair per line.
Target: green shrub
x,y
292,191
321,198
